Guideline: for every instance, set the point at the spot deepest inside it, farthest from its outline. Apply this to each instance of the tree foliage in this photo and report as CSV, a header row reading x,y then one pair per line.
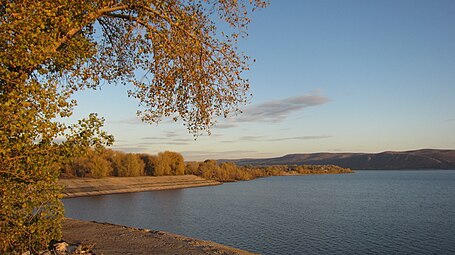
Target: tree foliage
x,y
169,163
131,165
103,163
228,171
169,50
172,163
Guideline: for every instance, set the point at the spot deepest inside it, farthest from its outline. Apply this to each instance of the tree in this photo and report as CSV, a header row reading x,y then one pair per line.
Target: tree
x,y
98,166
208,169
192,167
176,162
169,50
169,163
93,164
149,161
131,166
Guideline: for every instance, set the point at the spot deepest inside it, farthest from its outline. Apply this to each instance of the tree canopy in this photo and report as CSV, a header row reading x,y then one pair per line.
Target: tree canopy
x,y
170,51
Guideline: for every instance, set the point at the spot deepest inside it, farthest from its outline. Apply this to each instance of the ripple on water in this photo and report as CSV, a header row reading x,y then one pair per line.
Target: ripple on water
x,y
369,212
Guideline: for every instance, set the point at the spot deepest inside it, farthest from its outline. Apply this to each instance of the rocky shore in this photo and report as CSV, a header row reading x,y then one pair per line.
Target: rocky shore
x,y
77,187
105,238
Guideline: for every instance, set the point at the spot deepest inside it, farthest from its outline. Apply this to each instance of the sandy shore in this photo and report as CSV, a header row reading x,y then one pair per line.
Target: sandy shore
x,y
115,239
78,187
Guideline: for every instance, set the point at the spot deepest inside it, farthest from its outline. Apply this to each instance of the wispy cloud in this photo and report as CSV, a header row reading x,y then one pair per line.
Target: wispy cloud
x,y
276,110
153,138
129,121
129,148
225,125
309,137
165,136
252,138
173,143
279,139
258,138
203,155
170,134
169,138
164,143
228,141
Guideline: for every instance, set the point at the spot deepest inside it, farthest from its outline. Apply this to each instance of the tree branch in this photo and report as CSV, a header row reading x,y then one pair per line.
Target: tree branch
x,y
90,18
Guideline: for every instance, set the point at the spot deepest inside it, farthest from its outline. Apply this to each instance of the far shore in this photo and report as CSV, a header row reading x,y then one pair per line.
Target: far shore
x,y
79,187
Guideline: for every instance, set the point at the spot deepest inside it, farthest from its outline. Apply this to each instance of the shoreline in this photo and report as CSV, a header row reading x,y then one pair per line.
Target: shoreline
x,y
80,187
107,238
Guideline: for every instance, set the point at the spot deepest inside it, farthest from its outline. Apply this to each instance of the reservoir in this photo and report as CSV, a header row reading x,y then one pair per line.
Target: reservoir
x,y
368,212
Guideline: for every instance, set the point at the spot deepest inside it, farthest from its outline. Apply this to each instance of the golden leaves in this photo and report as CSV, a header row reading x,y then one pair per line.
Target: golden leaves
x,y
170,50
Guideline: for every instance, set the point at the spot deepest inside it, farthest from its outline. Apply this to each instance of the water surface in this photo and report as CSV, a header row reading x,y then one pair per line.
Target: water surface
x,y
369,212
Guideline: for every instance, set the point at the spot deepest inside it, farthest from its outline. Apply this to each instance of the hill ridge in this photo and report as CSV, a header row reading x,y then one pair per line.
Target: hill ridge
x,y
386,160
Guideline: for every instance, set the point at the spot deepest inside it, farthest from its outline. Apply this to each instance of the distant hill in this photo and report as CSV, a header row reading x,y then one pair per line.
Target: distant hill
x,y
388,160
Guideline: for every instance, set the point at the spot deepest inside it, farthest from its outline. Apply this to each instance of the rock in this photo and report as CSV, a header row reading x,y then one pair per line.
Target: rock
x,y
61,248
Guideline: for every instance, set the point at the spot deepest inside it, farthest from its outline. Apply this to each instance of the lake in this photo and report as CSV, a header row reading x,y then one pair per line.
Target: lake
x,y
368,212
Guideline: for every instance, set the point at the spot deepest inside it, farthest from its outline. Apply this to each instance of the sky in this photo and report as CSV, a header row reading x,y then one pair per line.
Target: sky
x,y
329,76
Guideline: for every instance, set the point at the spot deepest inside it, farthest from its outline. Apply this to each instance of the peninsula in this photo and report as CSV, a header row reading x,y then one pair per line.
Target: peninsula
x,y
78,187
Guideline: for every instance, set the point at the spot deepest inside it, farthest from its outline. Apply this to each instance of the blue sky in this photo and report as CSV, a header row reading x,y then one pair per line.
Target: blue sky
x,y
329,76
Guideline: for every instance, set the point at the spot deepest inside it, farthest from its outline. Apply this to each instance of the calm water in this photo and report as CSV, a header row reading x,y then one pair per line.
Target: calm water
x,y
369,212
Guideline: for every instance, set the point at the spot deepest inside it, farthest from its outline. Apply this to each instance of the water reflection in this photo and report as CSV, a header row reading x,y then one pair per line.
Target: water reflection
x,y
369,212
129,208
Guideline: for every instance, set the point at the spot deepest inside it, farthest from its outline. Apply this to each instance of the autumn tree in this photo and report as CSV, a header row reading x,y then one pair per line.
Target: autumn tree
x,y
169,51
93,164
177,163
161,166
131,166
208,169
149,161
169,163
192,167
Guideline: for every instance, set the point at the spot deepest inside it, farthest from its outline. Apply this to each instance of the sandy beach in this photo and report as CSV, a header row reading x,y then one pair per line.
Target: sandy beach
x,y
78,187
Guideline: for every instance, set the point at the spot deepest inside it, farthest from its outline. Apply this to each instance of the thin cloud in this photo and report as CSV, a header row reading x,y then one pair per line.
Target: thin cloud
x,y
251,138
309,137
279,139
129,121
130,149
164,143
170,134
257,138
225,125
153,138
203,155
170,138
182,140
228,141
278,110
175,143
